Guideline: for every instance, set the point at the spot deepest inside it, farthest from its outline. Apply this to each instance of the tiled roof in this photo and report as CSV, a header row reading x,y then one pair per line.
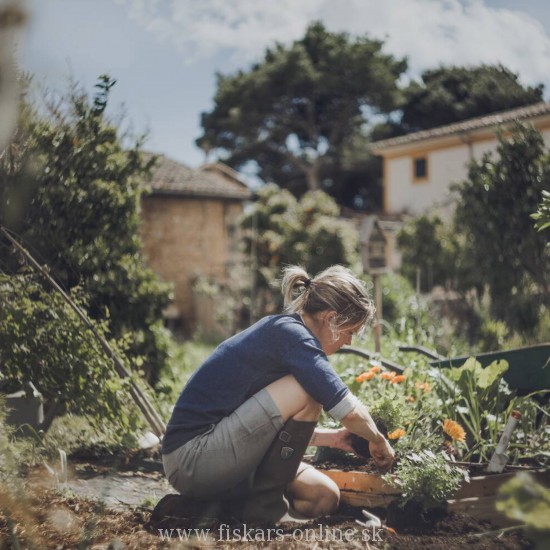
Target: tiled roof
x,y
171,177
465,126
223,170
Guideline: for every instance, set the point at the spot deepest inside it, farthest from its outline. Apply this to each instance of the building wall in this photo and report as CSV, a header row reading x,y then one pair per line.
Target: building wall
x,y
186,237
446,165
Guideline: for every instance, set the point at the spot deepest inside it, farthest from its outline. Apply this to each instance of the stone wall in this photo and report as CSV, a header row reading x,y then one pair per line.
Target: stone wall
x,y
188,237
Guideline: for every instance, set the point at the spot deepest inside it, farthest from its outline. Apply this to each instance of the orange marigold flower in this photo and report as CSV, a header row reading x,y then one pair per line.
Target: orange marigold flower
x,y
424,386
410,399
375,369
454,430
365,376
387,375
397,434
398,379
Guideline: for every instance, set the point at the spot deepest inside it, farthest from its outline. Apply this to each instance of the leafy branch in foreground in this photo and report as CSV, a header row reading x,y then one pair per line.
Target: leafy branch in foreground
x,y
524,499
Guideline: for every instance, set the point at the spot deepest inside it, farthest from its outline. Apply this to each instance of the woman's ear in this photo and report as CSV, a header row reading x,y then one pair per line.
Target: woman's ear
x,y
328,316
330,319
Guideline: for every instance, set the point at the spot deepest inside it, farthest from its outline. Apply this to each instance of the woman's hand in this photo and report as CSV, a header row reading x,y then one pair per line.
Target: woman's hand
x,y
382,454
380,450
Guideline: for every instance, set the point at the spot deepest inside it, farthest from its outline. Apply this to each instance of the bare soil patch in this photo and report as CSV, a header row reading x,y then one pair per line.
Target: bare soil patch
x,y
46,517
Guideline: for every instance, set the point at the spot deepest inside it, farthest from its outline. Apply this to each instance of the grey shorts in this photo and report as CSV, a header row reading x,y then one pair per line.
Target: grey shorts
x,y
222,461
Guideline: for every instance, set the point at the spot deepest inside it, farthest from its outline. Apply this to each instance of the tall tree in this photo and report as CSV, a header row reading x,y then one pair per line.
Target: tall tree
x,y
494,212
450,94
295,111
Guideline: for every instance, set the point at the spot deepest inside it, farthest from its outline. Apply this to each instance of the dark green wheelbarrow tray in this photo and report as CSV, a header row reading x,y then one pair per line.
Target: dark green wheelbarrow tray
x,y
528,368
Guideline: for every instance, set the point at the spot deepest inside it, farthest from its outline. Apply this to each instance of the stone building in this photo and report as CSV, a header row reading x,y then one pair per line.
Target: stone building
x,y
190,230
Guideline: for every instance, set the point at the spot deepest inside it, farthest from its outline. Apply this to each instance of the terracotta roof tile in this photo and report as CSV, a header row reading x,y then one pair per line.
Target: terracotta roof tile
x,y
171,177
487,121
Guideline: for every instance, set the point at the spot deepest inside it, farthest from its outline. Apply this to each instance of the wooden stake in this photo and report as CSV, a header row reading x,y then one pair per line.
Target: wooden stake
x,y
378,314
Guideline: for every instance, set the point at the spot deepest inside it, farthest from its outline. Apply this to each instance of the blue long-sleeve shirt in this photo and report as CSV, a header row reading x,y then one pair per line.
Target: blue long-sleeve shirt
x,y
247,362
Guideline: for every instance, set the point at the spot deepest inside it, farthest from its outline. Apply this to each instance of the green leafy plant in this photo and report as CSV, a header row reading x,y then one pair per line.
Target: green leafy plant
x,y
426,479
227,301
13,501
531,441
479,400
183,359
412,319
427,246
525,500
388,412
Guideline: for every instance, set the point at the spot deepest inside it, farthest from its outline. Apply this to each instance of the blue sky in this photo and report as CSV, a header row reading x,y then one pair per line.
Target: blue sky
x,y
165,53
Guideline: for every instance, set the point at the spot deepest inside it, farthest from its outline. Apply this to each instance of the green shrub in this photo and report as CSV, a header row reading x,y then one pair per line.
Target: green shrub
x,y
71,190
427,479
46,343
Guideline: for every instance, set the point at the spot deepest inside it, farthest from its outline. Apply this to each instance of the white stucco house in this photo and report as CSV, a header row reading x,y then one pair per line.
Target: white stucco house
x,y
419,168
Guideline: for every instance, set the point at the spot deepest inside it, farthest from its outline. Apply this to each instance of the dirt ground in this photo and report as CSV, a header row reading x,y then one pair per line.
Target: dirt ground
x,y
107,504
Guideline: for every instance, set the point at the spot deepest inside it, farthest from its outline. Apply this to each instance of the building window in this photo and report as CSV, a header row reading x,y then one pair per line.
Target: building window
x,y
420,169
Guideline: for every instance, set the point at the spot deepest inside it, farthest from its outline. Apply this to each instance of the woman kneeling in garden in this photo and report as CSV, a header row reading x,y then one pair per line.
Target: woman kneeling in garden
x,y
241,425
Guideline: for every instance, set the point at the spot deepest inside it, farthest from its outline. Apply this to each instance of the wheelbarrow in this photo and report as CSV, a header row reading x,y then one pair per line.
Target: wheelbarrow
x,y
528,367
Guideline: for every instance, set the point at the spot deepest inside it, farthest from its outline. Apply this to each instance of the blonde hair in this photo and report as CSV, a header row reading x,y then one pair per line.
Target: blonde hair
x,y
334,289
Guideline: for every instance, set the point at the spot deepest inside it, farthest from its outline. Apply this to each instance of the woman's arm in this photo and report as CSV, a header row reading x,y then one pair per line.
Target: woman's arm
x,y
360,422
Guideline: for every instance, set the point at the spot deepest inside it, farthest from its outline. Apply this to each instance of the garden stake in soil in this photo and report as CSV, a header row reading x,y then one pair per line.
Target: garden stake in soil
x,y
140,399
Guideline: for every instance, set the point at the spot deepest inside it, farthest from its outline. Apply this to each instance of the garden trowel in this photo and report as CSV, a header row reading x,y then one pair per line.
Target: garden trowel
x,y
500,458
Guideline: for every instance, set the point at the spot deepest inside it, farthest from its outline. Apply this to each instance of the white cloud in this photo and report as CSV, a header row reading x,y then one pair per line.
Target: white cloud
x,y
428,32
432,32
242,28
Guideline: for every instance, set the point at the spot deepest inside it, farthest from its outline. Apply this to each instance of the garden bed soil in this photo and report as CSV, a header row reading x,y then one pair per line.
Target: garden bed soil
x,y
50,519
107,503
